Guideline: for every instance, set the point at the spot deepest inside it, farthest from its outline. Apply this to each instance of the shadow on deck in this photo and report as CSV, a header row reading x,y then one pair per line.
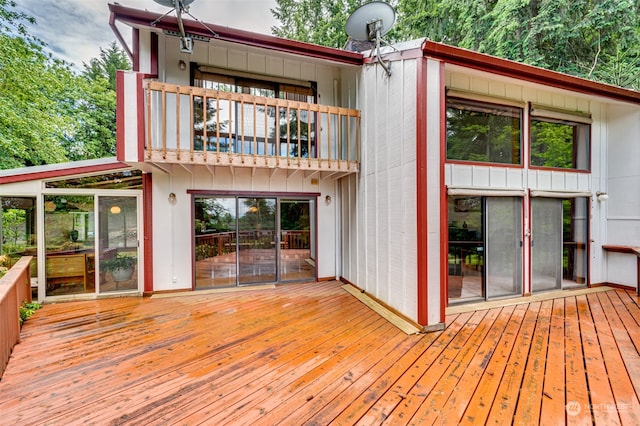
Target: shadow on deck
x,y
312,353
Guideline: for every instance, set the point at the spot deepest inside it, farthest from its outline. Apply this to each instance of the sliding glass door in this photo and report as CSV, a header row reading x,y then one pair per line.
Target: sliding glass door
x,y
256,240
485,248
243,240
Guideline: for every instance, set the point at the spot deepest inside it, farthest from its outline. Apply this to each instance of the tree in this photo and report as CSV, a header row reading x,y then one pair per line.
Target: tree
x,y
595,39
48,113
314,21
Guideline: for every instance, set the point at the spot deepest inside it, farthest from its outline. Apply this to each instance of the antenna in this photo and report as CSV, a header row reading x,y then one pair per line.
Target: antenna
x,y
181,6
370,22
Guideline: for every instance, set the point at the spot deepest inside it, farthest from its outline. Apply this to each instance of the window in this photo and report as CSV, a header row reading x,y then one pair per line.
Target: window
x,y
248,128
483,132
560,144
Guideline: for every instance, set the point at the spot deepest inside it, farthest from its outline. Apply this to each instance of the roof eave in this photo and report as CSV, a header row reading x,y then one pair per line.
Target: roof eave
x,y
508,68
141,18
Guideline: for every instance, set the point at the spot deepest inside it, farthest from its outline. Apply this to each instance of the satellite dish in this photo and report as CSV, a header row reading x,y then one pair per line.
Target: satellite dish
x,y
374,16
180,6
172,3
370,22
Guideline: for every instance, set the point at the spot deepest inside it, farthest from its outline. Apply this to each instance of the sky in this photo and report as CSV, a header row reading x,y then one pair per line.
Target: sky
x,y
75,30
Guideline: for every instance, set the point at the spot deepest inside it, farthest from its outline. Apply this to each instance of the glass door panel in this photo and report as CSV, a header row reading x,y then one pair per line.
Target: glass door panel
x,y
118,222
296,259
69,241
503,254
215,242
466,249
257,240
546,244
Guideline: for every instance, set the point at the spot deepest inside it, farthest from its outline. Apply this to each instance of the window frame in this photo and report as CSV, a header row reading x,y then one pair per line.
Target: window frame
x,y
488,104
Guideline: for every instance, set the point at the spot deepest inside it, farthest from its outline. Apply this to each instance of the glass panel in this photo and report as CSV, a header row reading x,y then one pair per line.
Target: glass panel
x,y
256,240
69,242
18,234
466,249
504,246
296,261
546,244
574,254
483,132
128,179
215,242
560,144
118,221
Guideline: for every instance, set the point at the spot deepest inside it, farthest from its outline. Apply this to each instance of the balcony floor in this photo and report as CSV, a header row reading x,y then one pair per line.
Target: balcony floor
x,y
312,353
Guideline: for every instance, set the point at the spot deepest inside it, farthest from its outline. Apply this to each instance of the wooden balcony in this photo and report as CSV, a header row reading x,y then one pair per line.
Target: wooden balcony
x,y
314,354
191,125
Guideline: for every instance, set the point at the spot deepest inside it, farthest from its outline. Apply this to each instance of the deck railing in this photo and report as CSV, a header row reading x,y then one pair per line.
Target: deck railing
x,y
187,124
15,289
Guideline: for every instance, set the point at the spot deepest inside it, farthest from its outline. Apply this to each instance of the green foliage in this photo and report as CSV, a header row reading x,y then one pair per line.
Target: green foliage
x,y
121,261
48,113
595,39
13,227
314,21
27,310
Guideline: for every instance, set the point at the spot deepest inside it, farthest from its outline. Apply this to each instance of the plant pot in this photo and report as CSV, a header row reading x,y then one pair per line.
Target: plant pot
x,y
122,274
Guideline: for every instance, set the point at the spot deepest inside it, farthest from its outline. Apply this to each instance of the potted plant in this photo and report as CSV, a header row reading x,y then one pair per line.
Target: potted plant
x,y
121,266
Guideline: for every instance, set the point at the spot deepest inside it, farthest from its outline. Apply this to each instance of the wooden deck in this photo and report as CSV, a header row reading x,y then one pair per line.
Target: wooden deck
x,y
314,354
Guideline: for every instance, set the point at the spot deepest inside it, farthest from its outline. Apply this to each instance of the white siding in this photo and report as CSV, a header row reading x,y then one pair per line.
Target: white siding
x,y
378,206
172,229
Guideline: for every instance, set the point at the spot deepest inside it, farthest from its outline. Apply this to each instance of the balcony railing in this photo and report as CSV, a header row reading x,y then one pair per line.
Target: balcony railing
x,y
200,126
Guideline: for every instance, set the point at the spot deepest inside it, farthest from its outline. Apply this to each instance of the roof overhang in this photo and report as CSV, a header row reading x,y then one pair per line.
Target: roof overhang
x,y
141,19
508,68
59,170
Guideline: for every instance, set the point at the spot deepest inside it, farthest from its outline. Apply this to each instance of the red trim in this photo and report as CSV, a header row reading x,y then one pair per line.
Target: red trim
x,y
116,31
135,17
52,174
479,163
421,191
505,67
253,193
120,115
135,40
444,208
153,60
141,118
147,226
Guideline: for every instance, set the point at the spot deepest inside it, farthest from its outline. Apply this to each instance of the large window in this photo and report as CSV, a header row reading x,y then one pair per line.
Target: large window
x,y
247,128
559,144
483,132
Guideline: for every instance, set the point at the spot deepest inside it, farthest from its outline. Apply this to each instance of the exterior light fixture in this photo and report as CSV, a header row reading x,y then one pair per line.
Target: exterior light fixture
x,y
602,196
327,199
182,64
172,198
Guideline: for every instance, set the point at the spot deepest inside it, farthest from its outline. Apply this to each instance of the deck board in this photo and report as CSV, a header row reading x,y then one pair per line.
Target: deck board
x,y
313,354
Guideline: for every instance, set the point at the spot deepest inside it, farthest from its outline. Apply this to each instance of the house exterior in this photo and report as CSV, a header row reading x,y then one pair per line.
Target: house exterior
x,y
459,177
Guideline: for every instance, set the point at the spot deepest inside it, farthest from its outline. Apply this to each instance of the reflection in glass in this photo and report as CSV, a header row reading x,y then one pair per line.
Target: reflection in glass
x,y
18,232
256,240
118,243
296,260
215,242
69,240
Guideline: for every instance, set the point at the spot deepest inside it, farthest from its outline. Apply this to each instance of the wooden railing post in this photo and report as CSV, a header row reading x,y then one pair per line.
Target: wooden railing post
x,y
15,289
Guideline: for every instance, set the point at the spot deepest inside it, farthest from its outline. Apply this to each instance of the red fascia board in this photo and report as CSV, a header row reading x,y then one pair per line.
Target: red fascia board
x,y
52,174
508,68
143,18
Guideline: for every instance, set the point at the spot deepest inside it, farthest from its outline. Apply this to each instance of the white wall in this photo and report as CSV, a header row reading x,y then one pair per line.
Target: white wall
x,y
172,228
379,205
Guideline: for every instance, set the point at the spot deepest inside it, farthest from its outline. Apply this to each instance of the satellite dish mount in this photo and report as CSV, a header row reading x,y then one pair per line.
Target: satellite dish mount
x,y
370,22
180,7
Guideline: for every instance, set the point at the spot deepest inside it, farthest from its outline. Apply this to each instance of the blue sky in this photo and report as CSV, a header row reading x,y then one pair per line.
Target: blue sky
x,y
75,30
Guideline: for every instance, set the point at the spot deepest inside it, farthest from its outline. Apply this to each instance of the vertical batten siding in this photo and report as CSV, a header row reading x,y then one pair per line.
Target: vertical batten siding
x,y
434,88
379,205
